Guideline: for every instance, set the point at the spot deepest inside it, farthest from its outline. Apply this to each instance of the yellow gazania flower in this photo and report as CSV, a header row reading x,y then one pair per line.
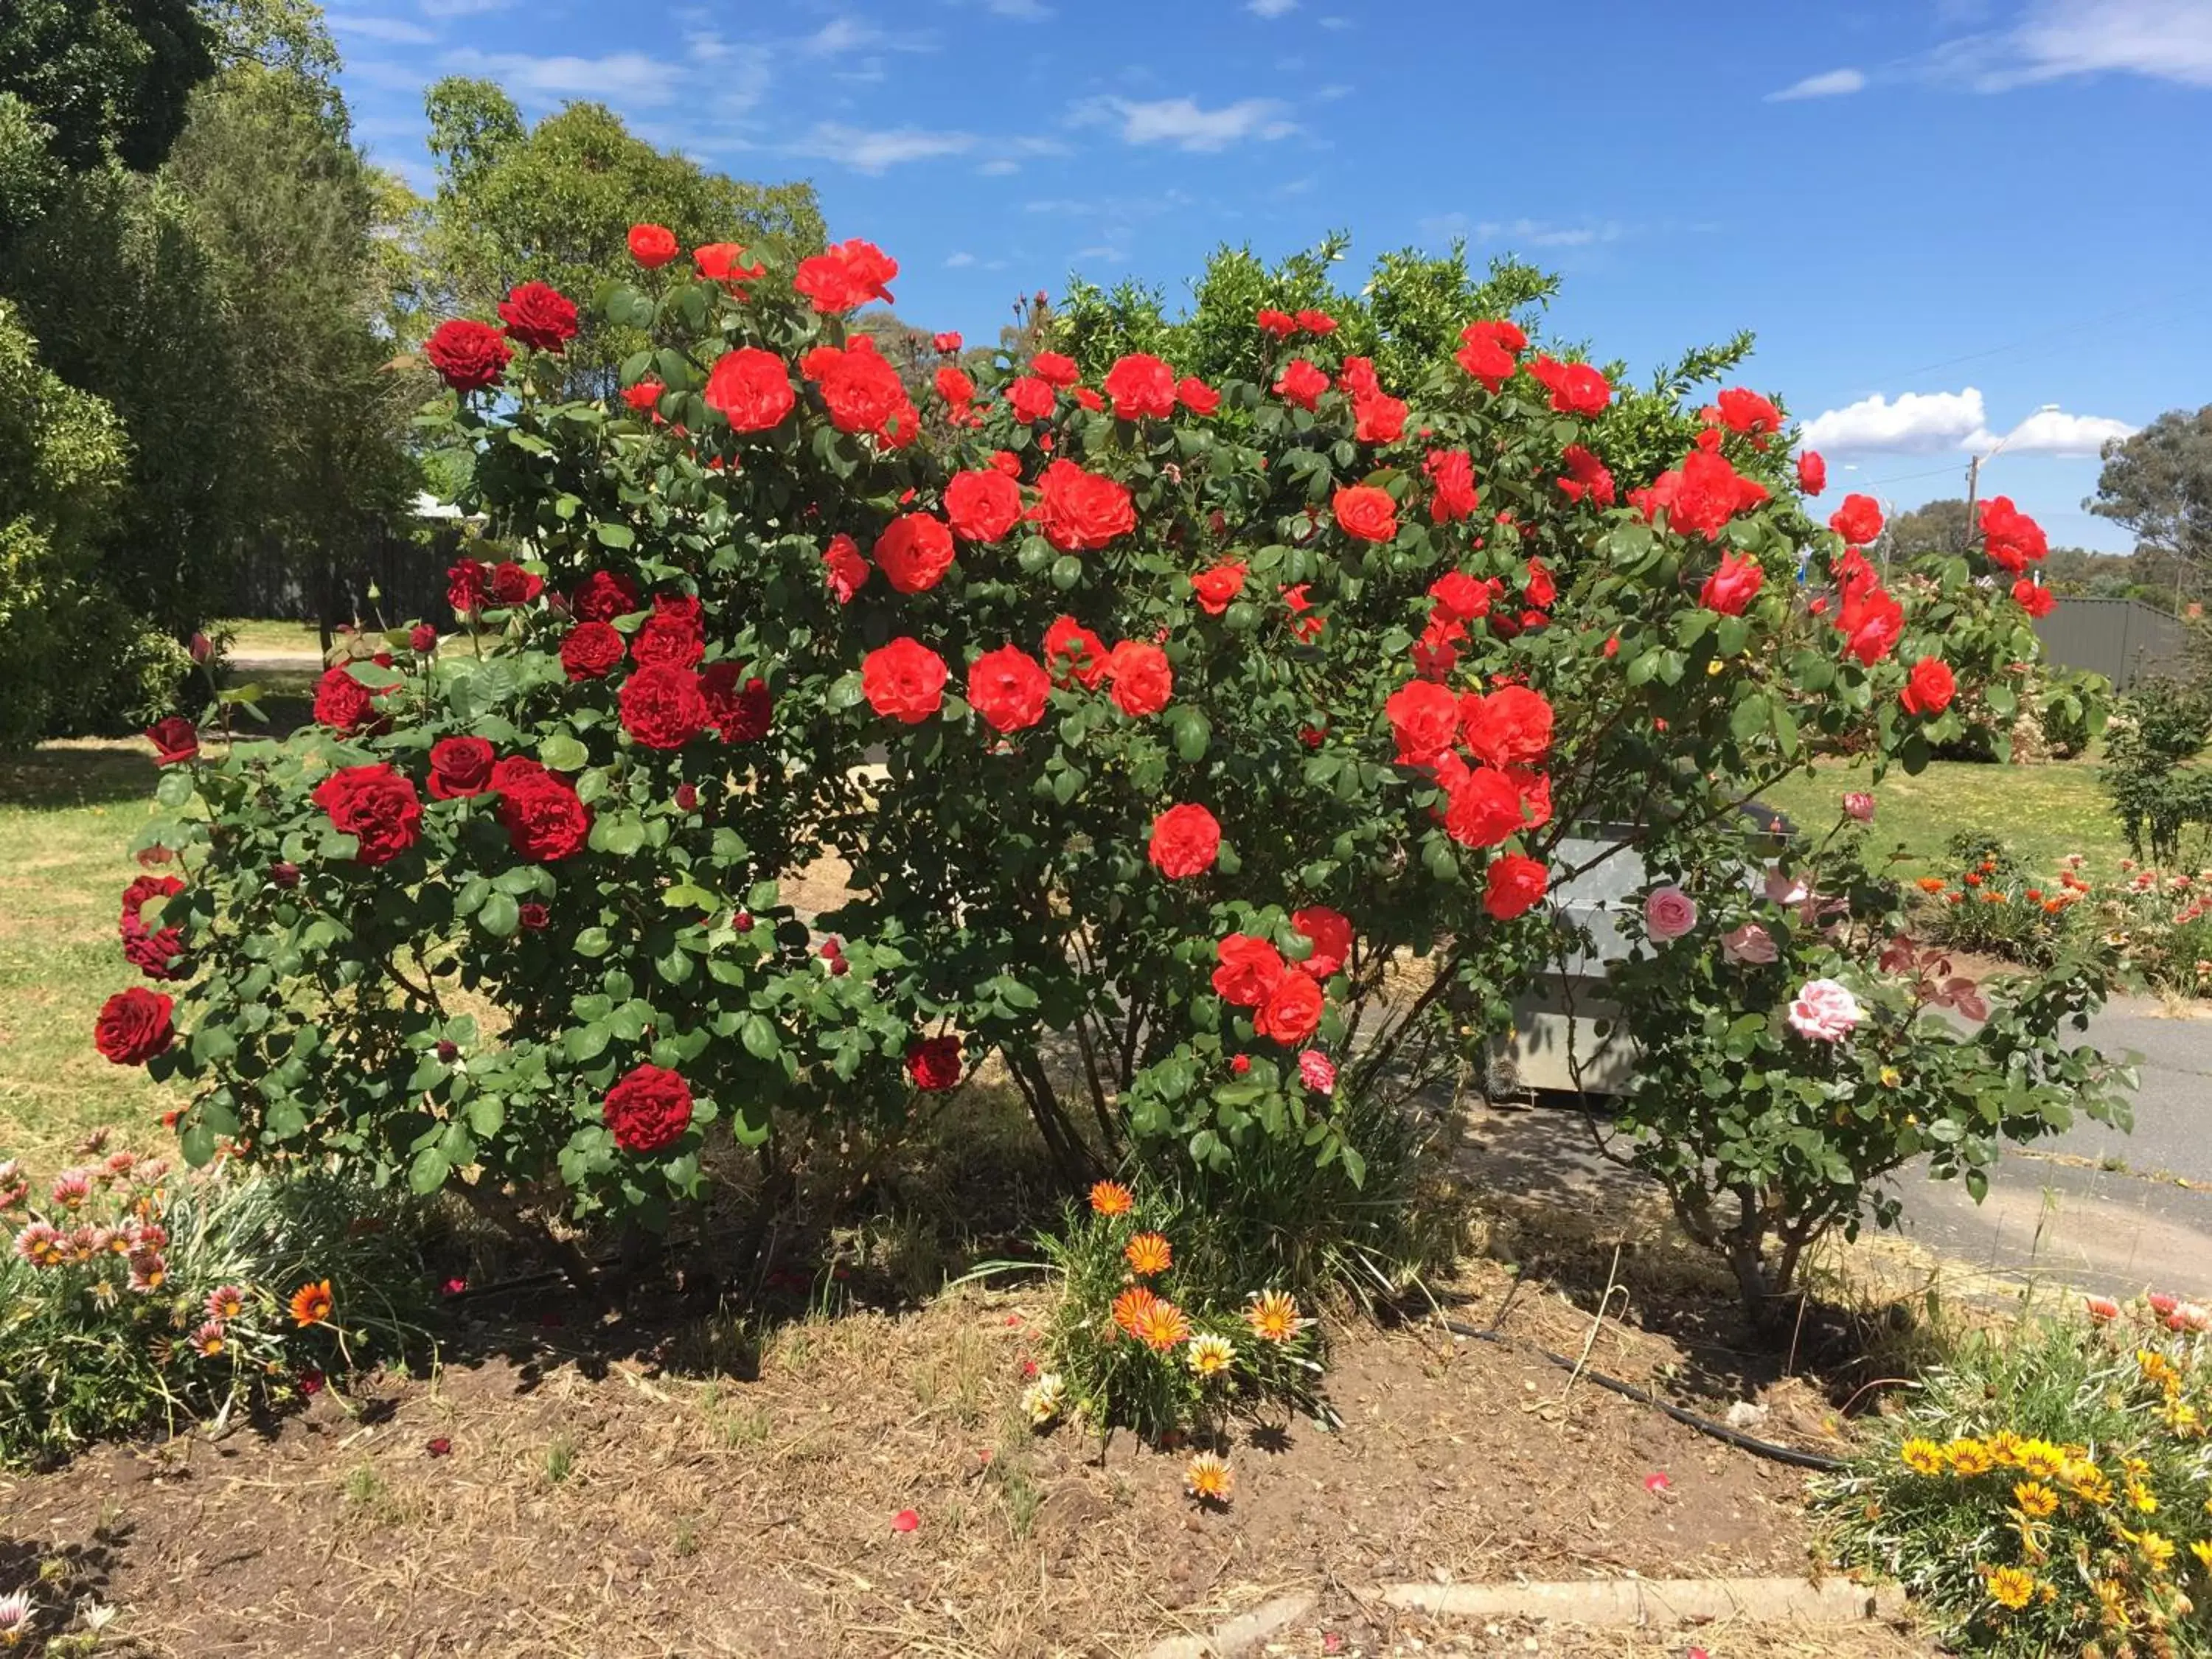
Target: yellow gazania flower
x,y
2011,1588
2157,1551
2088,1482
2112,1603
1147,1254
2201,1549
2004,1446
2040,1461
1921,1456
2037,1501
2154,1366
1273,1317
2142,1498
1969,1457
1042,1399
1209,1355
1208,1478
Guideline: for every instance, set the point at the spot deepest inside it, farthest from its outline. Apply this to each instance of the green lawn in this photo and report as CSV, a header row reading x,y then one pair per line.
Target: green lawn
x,y
2043,812
250,639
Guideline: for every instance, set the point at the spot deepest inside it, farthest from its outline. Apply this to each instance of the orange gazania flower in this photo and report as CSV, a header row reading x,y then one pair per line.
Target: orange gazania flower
x,y
1148,1253
1163,1326
1112,1197
1133,1307
1273,1317
311,1303
1931,884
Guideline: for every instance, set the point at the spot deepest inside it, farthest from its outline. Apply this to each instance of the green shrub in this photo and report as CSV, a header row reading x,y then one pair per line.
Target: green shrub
x,y
2072,705
2157,731
2049,1491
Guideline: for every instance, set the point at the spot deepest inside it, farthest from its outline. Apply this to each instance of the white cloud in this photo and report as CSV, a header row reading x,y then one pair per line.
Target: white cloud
x,y
957,261
1918,423
1187,125
998,167
865,150
2054,432
1835,83
844,34
462,7
398,30
1029,11
2167,39
1270,8
1526,233
629,77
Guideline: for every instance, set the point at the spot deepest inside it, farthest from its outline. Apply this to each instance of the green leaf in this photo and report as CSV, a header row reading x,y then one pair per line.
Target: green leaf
x,y
428,1172
759,1036
585,1042
176,786
1192,731
562,753
500,915
614,535
1749,717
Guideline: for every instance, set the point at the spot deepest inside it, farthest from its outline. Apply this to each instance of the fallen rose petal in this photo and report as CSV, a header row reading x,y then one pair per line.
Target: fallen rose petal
x,y
438,1446
1657,1483
906,1520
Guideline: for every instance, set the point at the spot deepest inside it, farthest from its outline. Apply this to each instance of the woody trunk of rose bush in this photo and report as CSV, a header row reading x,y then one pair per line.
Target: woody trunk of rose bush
x,y
1205,708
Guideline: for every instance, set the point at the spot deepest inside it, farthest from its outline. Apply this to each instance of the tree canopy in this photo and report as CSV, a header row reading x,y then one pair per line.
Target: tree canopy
x,y
2159,484
110,77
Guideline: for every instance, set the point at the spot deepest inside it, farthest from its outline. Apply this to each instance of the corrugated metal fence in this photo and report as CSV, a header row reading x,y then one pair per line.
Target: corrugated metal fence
x,y
408,571
2123,640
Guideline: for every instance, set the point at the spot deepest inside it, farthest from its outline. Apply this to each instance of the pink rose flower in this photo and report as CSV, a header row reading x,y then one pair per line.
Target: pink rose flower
x,y
1669,913
1749,943
1860,805
1824,1012
1783,888
1317,1071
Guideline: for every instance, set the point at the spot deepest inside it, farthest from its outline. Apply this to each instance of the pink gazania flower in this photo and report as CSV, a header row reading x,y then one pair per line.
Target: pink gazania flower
x,y
150,1271
41,1245
2188,1316
2162,1303
72,1189
1318,1072
209,1340
226,1302
2101,1309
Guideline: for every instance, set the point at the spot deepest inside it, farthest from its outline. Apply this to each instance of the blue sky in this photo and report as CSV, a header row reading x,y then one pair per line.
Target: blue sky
x,y
1968,209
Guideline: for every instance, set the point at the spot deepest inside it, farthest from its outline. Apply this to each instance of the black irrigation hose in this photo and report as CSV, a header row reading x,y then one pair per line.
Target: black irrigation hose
x,y
1790,1455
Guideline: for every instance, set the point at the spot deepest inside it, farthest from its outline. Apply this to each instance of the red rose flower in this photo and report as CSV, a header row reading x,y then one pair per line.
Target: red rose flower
x,y
947,343
1195,395
1141,385
751,389
860,388
1032,398
376,806
1217,586
1510,727
845,276
2009,537
844,567
1280,324
933,1063
1331,934
1929,688
1858,520
533,914
469,355
1747,412
1451,476
459,767
903,681
1700,496
1073,651
1576,388
603,596
914,551
982,506
1006,461
1054,370
644,397
662,707
1008,688
737,706
1424,719
423,639
589,651
1143,680
1292,1014
1586,476
1078,509
466,586
1488,351
648,1109
1366,512
1249,969
1184,841
1734,586
1482,807
1513,886
1316,322
1812,472
134,1026
511,585
155,952
545,818
668,640
1378,419
725,262
1459,596
956,388
540,318
652,245
1301,382
175,740
1541,589
1870,622
2036,600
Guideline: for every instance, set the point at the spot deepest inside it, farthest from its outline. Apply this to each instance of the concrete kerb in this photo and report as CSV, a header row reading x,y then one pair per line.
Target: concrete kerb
x,y
1607,1603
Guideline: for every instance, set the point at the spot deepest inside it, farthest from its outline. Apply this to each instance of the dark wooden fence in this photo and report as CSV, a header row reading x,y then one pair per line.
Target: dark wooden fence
x,y
407,571
2123,640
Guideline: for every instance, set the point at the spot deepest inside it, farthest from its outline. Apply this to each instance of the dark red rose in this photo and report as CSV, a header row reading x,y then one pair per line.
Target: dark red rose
x,y
466,586
1249,969
751,389
459,767
933,1063
1078,509
284,875
1812,472
687,798
903,681
533,916
540,318
982,506
469,355
652,245
847,276
1929,688
1141,387
648,1109
1331,934
1073,651
134,1026
1184,841
603,596
375,805
175,740
668,640
1292,1014
511,585
662,707
1143,678
544,817
158,953
1366,512
421,638
342,702
1008,688
591,651
914,551
1858,520
739,708
1512,886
